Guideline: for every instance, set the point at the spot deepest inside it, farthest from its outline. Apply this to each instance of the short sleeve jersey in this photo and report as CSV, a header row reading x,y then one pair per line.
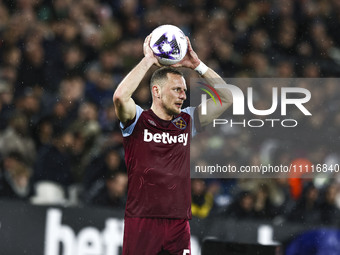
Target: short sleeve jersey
x,y
157,156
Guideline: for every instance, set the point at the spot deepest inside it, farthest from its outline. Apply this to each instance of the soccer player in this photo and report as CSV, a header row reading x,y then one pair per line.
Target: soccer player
x,y
156,144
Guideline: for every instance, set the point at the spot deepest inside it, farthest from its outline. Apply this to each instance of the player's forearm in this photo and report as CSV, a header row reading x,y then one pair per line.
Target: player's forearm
x,y
131,82
214,79
213,110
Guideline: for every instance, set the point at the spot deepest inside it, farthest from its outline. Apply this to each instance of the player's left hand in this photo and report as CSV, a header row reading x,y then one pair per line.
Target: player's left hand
x,y
190,60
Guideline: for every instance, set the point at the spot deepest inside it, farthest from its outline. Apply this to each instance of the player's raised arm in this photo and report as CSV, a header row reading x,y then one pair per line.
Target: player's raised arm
x,y
192,61
215,110
125,107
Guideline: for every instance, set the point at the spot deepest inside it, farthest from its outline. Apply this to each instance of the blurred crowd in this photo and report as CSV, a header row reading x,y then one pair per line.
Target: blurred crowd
x,y
61,60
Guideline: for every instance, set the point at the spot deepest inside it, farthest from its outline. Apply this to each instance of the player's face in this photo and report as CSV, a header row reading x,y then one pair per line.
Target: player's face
x,y
173,94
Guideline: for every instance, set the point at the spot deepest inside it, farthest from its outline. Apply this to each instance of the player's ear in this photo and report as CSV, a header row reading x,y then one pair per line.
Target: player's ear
x,y
156,91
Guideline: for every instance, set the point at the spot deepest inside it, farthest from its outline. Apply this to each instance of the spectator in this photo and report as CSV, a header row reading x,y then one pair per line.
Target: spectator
x,y
54,161
108,161
29,104
110,192
43,132
86,130
306,208
202,200
15,177
6,103
71,93
242,207
73,59
263,206
16,137
108,119
100,93
329,213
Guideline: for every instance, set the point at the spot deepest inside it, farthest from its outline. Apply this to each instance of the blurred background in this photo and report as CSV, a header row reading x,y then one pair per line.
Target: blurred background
x,y
61,60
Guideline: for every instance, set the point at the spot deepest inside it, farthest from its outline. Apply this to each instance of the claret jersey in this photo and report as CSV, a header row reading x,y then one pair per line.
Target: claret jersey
x,y
157,156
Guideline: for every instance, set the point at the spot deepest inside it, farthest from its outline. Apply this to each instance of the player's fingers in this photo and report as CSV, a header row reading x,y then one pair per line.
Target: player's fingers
x,y
146,45
147,40
158,64
176,65
189,44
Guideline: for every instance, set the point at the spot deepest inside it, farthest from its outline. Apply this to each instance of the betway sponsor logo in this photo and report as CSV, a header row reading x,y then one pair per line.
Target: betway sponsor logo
x,y
89,240
165,138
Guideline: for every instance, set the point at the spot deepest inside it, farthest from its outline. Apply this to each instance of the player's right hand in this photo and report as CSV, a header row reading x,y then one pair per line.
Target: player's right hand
x,y
148,53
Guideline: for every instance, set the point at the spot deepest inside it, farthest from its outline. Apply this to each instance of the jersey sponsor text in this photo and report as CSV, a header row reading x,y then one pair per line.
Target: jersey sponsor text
x,y
165,138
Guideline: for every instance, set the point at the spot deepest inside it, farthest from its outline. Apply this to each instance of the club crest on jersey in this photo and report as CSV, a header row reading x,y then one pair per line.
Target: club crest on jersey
x,y
179,123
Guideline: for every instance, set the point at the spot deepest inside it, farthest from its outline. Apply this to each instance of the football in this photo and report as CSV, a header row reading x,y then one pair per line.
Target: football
x,y
168,44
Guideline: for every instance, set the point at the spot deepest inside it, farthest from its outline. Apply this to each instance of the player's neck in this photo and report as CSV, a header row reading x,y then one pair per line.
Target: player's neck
x,y
161,113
